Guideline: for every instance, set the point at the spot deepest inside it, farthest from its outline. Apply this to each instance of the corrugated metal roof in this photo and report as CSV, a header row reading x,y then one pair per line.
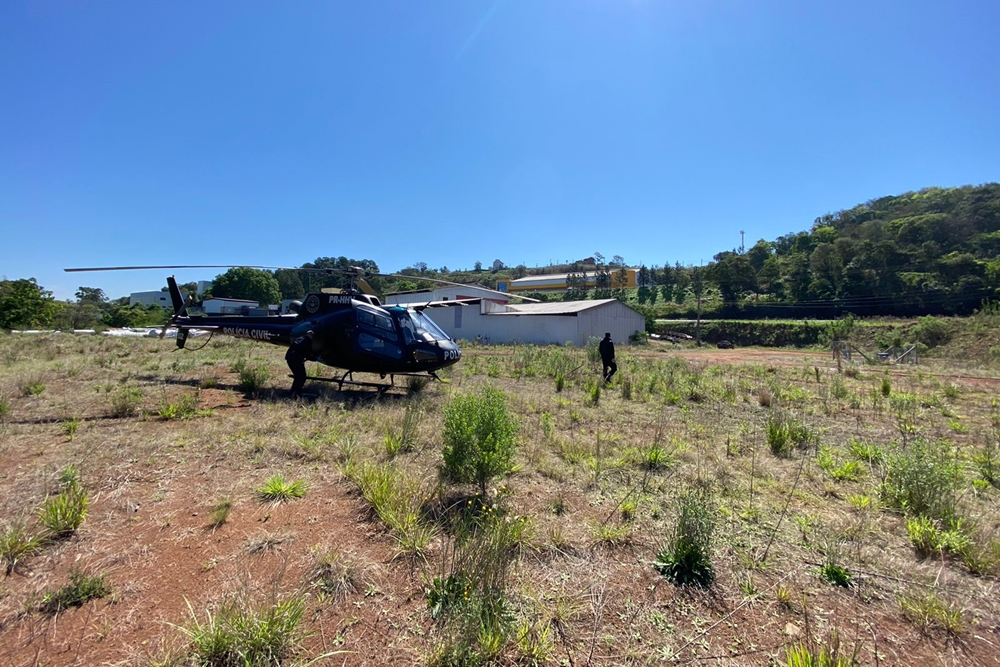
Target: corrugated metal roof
x,y
554,307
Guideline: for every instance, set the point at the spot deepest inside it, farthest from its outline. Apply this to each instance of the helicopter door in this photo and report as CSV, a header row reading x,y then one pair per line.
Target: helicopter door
x,y
377,335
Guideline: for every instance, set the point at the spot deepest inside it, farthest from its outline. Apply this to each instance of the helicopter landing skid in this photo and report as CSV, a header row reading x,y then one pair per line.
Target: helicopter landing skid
x,y
348,379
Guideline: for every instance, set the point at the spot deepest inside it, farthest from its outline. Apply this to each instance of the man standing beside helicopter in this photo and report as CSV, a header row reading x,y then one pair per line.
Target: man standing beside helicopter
x,y
300,350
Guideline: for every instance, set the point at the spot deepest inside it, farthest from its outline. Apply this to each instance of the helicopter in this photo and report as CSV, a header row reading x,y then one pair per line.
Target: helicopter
x,y
353,330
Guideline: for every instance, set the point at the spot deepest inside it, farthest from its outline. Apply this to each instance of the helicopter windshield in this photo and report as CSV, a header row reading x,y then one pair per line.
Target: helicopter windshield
x,y
425,327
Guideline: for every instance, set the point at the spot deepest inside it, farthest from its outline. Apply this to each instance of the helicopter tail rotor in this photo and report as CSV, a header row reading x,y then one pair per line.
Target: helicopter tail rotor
x,y
180,308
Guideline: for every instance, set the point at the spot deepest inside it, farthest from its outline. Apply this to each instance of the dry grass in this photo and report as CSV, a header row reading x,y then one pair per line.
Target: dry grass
x,y
599,482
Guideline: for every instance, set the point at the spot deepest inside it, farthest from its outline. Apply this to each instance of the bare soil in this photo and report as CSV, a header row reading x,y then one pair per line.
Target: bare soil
x,y
153,483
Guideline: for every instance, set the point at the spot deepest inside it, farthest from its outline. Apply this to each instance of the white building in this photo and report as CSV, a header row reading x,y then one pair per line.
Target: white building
x,y
157,298
540,323
219,306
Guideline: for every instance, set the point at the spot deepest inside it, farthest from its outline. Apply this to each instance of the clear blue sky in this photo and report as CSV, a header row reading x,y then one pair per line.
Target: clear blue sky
x,y
454,131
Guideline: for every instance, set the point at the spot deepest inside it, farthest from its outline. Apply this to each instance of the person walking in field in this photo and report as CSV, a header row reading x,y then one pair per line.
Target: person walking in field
x,y
607,350
298,352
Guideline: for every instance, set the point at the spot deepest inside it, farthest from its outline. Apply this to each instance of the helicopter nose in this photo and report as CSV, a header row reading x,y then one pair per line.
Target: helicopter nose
x,y
450,352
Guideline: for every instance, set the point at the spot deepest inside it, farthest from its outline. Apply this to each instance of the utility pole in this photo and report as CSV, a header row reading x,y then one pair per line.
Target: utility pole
x,y
742,244
699,287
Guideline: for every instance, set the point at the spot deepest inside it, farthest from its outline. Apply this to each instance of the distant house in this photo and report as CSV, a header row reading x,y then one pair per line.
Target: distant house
x,y
556,282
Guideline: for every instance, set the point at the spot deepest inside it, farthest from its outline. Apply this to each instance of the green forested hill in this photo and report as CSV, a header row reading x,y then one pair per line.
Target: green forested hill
x,y
932,251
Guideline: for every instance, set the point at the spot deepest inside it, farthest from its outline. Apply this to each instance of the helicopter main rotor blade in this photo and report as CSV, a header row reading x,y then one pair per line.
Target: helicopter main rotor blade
x,y
365,287
355,273
176,266
454,284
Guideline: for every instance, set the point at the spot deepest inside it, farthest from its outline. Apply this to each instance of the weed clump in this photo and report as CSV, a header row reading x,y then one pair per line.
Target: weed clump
x,y
80,589
278,490
469,599
786,435
253,376
333,575
220,512
16,544
62,514
240,635
686,557
480,438
126,402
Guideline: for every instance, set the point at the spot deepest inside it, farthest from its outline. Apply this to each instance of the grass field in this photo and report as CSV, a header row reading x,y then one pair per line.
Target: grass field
x,y
738,507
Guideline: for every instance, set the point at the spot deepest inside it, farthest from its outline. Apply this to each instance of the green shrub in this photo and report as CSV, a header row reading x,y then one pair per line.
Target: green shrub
x,y
253,376
480,438
922,480
126,402
932,331
686,557
63,514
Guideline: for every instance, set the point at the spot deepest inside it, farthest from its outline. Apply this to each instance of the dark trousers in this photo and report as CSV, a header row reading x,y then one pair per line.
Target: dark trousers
x,y
613,369
298,368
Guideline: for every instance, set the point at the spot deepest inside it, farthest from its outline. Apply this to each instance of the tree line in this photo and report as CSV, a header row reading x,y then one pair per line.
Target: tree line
x,y
934,251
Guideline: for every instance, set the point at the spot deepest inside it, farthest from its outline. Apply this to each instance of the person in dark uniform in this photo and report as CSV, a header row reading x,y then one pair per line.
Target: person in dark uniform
x,y
607,350
298,352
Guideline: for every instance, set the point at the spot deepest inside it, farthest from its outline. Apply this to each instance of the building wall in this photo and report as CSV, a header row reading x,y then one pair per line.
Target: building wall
x,y
227,306
158,298
617,318
472,323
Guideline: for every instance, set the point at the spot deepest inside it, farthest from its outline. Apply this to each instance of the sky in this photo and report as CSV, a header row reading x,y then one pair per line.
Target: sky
x,y
456,131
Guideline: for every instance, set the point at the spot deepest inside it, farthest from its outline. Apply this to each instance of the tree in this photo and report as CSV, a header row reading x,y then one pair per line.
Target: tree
x,y
642,277
94,295
137,315
477,267
290,284
245,283
621,279
733,274
24,303
759,254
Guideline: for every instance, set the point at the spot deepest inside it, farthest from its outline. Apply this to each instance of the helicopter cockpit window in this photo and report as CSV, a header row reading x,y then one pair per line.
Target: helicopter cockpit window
x,y
385,326
381,323
426,329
